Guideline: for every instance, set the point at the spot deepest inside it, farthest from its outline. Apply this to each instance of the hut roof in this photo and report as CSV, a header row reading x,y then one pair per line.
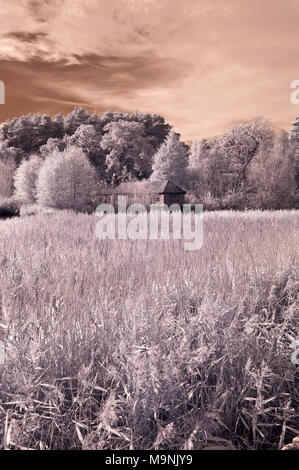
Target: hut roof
x,y
147,187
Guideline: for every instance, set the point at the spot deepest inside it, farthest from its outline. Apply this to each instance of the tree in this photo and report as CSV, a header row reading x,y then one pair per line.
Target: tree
x,y
239,145
10,153
294,139
155,128
39,134
78,117
171,160
129,150
67,181
26,177
7,171
29,132
88,139
199,150
53,145
271,177
294,131
203,174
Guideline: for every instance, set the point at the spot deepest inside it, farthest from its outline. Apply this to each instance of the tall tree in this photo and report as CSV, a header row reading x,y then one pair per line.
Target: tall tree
x,y
171,160
239,145
88,139
203,171
129,151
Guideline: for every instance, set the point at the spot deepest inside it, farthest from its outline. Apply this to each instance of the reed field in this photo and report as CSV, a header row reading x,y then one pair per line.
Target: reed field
x,y
123,344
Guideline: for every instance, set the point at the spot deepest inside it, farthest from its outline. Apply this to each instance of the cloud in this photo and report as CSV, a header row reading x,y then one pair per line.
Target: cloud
x,y
94,81
66,28
202,64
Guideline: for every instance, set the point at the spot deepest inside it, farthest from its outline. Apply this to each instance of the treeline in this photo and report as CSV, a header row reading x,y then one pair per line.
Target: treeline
x,y
120,146
249,166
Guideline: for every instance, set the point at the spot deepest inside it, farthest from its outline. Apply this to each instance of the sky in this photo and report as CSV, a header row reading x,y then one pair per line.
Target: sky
x,y
202,64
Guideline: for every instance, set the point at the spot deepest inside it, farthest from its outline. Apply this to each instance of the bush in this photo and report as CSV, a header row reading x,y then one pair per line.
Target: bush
x,y
9,207
210,203
232,201
26,178
67,181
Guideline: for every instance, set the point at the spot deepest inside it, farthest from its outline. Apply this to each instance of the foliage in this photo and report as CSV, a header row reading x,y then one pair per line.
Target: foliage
x,y
52,145
12,154
26,177
30,132
249,166
66,181
88,140
271,177
171,160
129,150
239,169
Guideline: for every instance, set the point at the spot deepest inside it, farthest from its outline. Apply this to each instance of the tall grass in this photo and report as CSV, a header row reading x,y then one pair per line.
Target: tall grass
x,y
121,344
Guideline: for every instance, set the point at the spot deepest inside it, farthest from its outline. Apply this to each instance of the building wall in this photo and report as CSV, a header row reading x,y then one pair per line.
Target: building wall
x,y
173,199
145,199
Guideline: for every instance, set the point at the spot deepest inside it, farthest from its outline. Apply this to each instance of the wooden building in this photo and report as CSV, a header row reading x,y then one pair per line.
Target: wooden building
x,y
146,193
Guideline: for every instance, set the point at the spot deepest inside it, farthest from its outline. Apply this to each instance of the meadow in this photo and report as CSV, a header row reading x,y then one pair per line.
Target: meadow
x,y
122,344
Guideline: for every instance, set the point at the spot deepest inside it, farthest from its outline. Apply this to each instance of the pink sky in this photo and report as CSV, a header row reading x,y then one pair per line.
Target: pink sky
x,y
202,64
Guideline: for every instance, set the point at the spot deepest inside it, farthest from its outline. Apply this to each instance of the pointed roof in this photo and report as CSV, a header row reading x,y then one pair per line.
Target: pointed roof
x,y
148,187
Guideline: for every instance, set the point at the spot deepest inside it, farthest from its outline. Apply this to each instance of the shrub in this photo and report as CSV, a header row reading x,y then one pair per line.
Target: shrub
x,y
67,181
26,178
232,201
210,203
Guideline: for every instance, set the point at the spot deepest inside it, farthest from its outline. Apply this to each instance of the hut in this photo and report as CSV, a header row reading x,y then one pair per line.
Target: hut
x,y
146,193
